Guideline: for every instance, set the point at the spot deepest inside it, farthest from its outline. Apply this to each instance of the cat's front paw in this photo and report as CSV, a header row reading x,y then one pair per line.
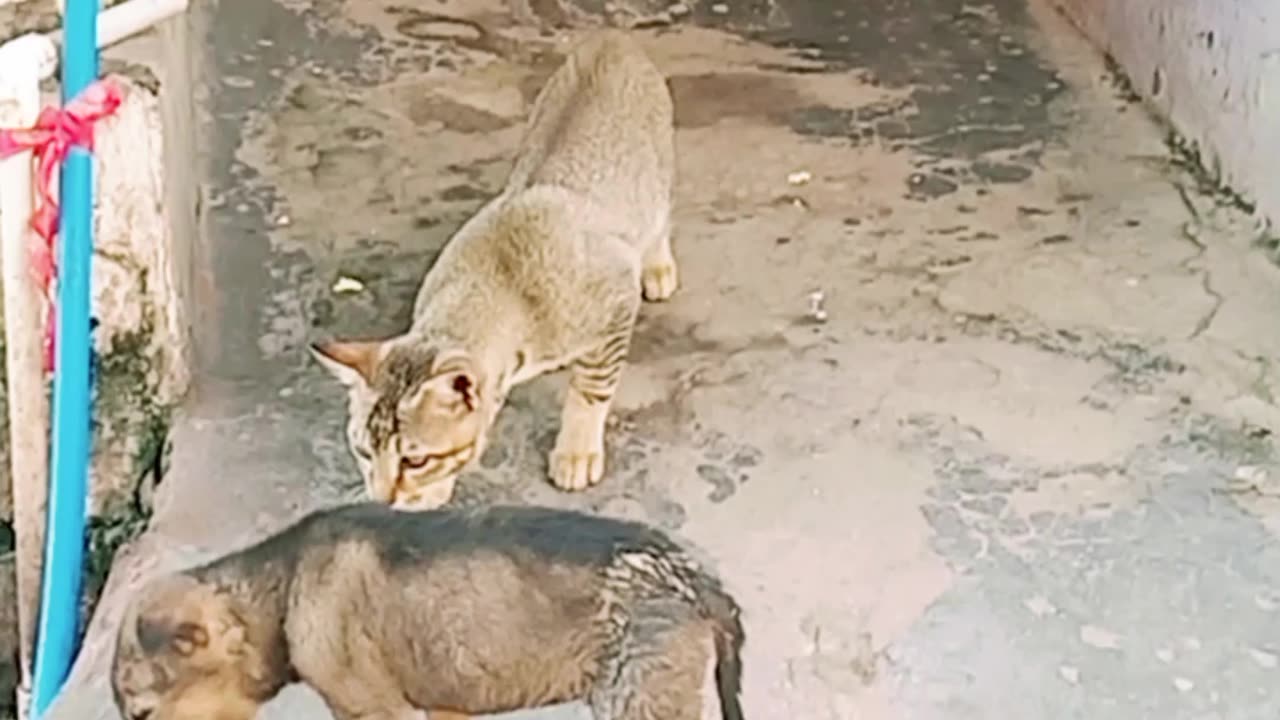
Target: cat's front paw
x,y
573,470
659,281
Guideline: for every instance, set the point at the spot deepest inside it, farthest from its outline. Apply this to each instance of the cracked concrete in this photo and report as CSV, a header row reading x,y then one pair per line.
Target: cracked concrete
x,y
1025,466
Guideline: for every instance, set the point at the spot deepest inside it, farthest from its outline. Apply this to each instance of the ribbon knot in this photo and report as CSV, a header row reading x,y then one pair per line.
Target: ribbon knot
x,y
55,132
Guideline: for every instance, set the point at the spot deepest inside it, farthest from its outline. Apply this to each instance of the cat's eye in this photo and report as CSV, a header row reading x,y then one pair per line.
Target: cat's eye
x,y
416,462
140,715
363,453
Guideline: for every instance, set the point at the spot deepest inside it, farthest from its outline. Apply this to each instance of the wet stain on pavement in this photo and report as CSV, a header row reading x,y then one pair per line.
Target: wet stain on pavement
x,y
704,100
974,84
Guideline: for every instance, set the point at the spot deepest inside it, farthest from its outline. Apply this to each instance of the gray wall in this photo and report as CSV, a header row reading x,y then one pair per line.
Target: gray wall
x,y
1212,67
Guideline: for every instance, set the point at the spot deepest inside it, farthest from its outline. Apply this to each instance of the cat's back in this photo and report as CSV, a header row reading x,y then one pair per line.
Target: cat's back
x,y
611,62
602,125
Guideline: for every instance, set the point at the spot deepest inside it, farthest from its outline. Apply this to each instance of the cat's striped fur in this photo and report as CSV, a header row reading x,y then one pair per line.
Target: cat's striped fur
x,y
549,273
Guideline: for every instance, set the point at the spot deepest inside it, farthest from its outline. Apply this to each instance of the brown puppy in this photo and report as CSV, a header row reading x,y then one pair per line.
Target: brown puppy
x,y
456,612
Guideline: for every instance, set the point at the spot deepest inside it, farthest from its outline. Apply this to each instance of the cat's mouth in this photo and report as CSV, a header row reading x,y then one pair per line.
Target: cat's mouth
x,y
433,495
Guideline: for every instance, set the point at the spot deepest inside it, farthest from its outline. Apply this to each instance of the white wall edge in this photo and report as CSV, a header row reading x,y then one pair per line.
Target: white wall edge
x,y
1211,68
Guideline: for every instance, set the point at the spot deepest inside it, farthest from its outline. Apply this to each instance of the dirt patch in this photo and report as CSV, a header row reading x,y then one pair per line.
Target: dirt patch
x,y
455,115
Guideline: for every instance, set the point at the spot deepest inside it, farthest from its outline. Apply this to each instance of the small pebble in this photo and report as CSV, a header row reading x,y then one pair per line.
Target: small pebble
x,y
1251,474
1264,659
1183,684
1099,638
816,311
1039,605
720,9
347,285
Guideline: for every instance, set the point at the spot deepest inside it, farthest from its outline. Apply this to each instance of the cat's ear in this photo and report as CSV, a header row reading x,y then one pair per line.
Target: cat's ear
x,y
454,386
353,362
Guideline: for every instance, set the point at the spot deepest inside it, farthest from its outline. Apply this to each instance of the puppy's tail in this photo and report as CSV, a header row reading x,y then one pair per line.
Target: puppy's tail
x,y
726,618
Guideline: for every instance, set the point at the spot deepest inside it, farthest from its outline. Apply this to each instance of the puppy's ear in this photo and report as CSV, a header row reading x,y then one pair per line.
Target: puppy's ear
x,y
182,616
161,634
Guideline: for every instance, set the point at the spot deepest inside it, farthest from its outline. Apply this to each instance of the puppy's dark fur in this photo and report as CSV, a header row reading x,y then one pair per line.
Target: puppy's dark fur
x,y
387,614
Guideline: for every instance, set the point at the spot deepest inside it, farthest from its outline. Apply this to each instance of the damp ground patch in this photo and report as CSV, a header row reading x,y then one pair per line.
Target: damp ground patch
x,y
975,86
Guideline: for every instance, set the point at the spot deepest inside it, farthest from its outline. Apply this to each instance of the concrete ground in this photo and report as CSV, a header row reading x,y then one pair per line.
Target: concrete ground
x,y
1025,468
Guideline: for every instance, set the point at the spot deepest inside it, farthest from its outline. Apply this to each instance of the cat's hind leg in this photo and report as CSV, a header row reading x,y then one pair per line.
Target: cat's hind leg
x,y
659,276
577,460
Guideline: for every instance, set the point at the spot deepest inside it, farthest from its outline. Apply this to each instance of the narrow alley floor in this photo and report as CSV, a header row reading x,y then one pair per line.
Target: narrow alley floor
x,y
1023,467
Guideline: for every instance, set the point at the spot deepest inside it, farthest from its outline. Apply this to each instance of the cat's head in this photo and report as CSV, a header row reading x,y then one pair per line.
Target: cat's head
x,y
416,416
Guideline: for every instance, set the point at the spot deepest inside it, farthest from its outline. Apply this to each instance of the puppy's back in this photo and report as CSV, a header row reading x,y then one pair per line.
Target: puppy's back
x,y
528,533
503,592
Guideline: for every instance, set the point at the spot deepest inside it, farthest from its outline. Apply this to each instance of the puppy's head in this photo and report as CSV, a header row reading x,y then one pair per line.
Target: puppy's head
x,y
181,654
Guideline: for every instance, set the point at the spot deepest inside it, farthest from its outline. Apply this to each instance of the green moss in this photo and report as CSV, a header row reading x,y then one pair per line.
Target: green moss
x,y
1209,182
104,538
122,391
6,514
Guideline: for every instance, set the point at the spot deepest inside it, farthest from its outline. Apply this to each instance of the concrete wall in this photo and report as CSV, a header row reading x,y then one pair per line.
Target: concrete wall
x,y
145,226
1212,67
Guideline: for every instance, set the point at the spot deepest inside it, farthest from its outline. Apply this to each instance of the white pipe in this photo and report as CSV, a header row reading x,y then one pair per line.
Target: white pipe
x,y
23,60
24,55
127,19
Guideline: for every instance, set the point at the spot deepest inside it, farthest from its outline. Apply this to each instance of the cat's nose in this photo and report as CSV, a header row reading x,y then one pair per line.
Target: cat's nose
x,y
379,489
403,492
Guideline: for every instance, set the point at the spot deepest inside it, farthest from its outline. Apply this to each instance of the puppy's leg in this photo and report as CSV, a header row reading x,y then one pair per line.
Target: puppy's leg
x,y
402,714
411,714
660,669
368,695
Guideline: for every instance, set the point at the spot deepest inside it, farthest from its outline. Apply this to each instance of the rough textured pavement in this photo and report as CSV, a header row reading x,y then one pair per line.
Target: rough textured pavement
x,y
1025,468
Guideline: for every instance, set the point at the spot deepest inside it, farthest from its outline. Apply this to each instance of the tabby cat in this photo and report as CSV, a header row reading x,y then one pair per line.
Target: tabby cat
x,y
549,273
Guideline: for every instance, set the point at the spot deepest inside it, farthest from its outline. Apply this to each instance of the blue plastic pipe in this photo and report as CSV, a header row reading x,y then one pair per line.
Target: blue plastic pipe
x,y
59,631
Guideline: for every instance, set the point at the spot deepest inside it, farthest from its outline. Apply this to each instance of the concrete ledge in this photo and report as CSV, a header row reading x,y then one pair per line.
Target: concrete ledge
x,y
1212,68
